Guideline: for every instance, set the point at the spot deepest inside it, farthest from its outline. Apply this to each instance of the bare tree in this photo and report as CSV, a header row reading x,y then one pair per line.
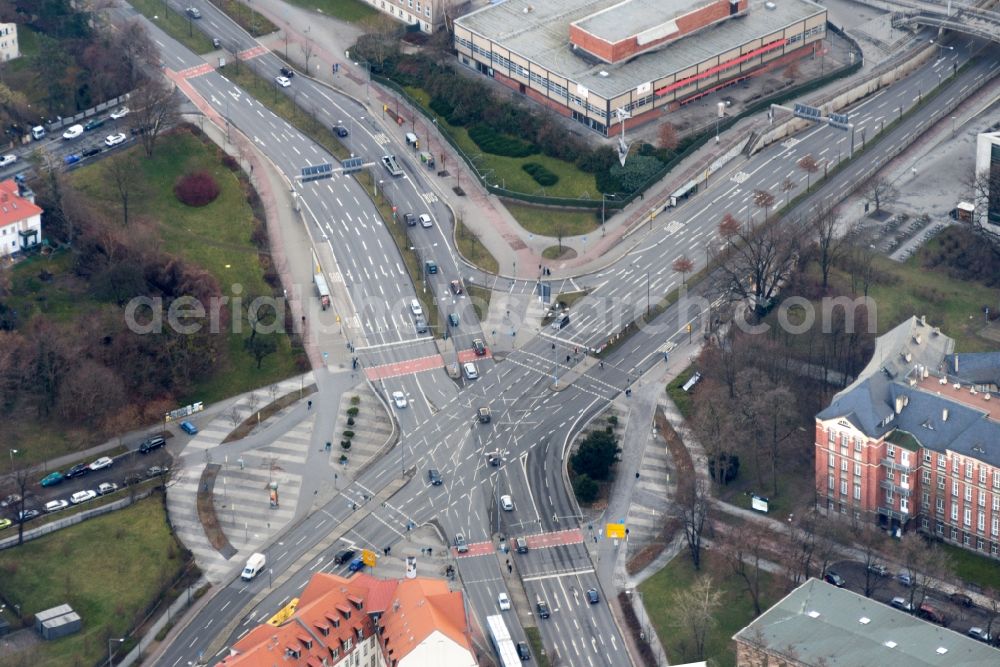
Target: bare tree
x,y
308,50
758,262
985,188
154,110
272,391
830,246
743,550
809,165
136,50
693,503
871,542
252,401
696,608
683,266
878,191
923,561
126,177
763,199
22,476
235,415
787,186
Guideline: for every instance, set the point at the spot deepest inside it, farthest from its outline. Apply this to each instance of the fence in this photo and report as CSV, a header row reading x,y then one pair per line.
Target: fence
x,y
700,136
183,601
74,519
60,122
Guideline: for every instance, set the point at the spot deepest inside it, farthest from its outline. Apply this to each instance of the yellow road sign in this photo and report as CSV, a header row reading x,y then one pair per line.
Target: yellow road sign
x,y
368,557
615,531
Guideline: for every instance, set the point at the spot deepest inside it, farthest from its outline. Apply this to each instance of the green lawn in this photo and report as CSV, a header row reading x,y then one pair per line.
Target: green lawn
x,y
109,569
558,252
506,172
215,237
735,613
682,399
972,567
246,17
352,11
470,247
175,23
548,221
537,647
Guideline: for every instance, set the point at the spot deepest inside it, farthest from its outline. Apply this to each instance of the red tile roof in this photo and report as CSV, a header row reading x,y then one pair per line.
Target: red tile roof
x,y
411,610
12,207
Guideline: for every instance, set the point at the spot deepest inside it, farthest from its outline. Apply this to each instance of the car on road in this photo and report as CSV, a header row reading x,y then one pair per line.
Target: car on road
x,y
5,523
102,463
961,599
342,132
560,322
82,496
415,307
114,139
151,443
399,398
79,470
543,609
216,42
879,569
7,160
52,478
521,545
189,428
453,319
155,471
104,488
12,499
460,544
420,324
118,113
356,564
73,132
929,612
27,515
593,597
904,578
455,287
979,633
507,503
282,81
503,601
434,477
344,556
832,577
193,12
71,159
425,221
93,124
431,267
485,415
470,371
410,219
478,346
287,72
522,651
901,603
91,152
56,505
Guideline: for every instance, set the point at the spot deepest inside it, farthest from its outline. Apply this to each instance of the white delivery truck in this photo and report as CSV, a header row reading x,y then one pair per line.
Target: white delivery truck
x,y
255,564
37,132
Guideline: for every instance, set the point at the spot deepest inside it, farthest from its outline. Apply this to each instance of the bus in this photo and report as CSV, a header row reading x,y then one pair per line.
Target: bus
x,y
502,642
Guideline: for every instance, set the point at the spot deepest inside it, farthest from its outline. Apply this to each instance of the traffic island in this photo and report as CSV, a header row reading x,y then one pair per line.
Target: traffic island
x,y
206,512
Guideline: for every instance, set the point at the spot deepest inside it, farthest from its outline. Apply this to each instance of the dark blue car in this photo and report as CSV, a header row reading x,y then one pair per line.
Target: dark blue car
x,y
189,428
71,159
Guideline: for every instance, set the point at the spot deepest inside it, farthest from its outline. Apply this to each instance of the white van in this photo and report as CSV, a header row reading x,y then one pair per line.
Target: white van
x,y
37,132
411,139
254,566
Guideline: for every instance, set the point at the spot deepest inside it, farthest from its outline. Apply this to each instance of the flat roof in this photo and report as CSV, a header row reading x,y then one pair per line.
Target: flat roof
x,y
629,18
539,32
821,622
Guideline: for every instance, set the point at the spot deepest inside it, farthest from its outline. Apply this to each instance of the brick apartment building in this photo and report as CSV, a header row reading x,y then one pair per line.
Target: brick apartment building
x,y
914,442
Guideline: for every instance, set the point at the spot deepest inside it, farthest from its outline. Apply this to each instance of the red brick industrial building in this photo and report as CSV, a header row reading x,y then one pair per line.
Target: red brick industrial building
x,y
914,442
587,58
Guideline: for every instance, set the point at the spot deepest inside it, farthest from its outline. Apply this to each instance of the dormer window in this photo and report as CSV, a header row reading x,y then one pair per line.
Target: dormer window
x,y
292,652
323,629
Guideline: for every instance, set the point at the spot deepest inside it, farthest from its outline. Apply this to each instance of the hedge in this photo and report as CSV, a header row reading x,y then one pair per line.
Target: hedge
x,y
490,141
542,176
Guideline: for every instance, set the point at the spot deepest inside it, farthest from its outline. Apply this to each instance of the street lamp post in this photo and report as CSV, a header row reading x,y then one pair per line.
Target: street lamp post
x,y
604,200
120,640
368,67
12,452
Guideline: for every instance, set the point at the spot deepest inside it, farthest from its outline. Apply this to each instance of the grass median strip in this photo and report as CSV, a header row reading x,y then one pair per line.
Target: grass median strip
x,y
177,24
